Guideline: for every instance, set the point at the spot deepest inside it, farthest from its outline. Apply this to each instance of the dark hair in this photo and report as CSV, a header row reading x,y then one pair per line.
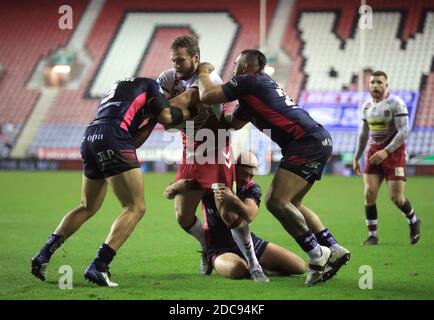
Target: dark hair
x,y
188,42
379,73
255,58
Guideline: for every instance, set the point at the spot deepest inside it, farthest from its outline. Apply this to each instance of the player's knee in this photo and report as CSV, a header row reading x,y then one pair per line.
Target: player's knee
x,y
397,200
137,209
140,210
370,195
88,209
273,204
277,207
184,219
230,218
300,267
296,203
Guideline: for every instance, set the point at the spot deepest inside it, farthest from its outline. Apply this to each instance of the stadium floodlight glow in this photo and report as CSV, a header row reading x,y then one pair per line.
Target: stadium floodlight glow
x,y
269,70
62,69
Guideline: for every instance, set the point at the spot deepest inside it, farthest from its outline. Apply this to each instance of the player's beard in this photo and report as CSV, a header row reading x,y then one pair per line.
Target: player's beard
x,y
187,74
377,94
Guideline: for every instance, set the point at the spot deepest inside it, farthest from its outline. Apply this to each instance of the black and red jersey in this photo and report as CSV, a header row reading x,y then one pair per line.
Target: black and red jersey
x,y
266,105
126,103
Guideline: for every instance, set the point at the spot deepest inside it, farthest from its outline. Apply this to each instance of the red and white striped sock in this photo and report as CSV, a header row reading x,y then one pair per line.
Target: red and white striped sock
x,y
372,227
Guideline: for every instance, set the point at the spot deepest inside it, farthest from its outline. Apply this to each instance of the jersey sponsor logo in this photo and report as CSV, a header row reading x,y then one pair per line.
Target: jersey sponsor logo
x,y
399,171
105,155
227,159
94,137
386,113
313,164
327,142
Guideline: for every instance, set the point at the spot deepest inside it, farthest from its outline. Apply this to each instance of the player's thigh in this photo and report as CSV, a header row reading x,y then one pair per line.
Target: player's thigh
x,y
186,203
372,182
232,266
286,186
276,258
128,187
299,196
396,188
93,192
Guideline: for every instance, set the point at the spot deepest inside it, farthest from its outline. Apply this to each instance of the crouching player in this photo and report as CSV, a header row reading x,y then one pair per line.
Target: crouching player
x,y
223,251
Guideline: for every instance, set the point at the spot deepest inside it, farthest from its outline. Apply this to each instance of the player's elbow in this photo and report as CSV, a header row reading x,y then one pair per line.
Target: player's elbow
x,y
165,117
249,219
205,97
250,215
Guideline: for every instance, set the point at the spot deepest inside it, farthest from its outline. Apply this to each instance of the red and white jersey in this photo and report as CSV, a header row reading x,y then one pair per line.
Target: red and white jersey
x,y
210,119
380,117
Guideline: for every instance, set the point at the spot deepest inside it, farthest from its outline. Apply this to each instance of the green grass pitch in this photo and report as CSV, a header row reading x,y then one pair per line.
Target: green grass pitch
x,y
159,261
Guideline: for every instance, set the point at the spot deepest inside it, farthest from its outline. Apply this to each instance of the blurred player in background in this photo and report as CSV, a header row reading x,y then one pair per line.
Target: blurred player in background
x,y
181,81
108,150
385,120
306,147
227,259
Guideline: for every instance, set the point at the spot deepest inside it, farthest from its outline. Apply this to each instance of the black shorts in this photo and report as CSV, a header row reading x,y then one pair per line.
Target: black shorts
x,y
107,150
258,243
308,156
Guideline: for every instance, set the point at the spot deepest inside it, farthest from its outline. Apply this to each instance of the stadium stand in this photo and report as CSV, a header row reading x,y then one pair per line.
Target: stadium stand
x,y
22,45
322,35
321,38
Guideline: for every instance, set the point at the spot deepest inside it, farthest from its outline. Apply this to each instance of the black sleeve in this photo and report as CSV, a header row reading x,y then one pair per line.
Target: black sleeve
x,y
253,192
238,87
156,99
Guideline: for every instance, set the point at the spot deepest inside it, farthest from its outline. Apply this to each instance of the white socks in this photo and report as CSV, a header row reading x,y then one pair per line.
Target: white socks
x,y
197,231
243,239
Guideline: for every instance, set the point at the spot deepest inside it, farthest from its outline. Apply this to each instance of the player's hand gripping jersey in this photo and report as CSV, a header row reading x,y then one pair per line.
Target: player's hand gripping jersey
x,y
219,236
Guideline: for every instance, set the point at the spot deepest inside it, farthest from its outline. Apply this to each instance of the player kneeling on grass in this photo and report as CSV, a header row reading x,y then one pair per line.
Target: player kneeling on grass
x,y
229,255
127,114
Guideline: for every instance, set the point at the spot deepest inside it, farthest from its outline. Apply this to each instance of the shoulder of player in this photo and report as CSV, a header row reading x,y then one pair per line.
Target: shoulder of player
x,y
167,75
243,80
367,104
141,82
395,100
253,186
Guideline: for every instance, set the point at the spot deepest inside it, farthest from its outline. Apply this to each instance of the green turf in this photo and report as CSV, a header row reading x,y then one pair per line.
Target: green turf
x,y
160,261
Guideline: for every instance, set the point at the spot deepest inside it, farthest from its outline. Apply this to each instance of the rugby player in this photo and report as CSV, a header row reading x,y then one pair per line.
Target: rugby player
x,y
226,257
181,81
126,115
306,146
385,121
